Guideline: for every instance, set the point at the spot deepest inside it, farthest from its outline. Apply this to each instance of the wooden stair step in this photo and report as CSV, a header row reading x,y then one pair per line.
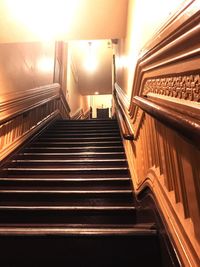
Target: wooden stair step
x,y
80,135
75,149
77,155
68,163
63,183
67,214
72,231
78,144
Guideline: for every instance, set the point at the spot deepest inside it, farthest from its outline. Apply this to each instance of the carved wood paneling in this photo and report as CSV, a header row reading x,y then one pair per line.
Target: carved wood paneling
x,y
23,115
177,165
163,158
182,87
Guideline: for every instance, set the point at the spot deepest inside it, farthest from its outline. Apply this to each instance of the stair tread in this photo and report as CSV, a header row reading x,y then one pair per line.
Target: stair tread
x,y
69,208
64,179
76,231
67,169
69,154
69,160
82,138
9,191
82,226
96,134
85,147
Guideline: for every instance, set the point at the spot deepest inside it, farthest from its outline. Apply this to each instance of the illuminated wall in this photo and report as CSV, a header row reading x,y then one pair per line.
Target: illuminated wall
x,y
25,66
144,19
75,100
100,101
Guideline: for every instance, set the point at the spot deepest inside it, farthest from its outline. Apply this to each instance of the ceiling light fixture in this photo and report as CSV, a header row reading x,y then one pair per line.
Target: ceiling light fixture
x,y
91,62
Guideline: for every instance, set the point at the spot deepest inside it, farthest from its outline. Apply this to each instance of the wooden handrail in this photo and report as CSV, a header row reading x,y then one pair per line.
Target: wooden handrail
x,y
184,124
28,100
123,120
24,113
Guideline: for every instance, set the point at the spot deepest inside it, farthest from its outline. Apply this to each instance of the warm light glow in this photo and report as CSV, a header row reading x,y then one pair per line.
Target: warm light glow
x,y
45,64
122,61
96,93
47,19
90,65
91,58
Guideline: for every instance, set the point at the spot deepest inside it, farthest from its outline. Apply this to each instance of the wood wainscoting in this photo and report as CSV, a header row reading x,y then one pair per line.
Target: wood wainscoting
x,y
165,152
24,113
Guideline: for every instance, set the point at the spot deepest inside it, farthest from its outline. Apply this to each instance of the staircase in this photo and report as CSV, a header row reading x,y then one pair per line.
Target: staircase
x,y
67,200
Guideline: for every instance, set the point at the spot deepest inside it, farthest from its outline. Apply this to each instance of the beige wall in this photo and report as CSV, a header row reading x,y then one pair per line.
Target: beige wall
x,y
73,96
75,100
100,101
144,19
85,102
25,65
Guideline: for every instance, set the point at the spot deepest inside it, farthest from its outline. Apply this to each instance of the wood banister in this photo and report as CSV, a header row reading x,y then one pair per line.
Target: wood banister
x,y
24,113
123,119
182,123
164,115
30,99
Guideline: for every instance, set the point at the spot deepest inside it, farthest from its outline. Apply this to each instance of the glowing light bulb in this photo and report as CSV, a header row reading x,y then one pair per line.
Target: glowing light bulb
x,y
91,61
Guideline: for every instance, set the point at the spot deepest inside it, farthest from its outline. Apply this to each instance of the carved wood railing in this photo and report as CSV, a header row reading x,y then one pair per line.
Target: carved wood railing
x,y
122,116
165,153
23,113
177,118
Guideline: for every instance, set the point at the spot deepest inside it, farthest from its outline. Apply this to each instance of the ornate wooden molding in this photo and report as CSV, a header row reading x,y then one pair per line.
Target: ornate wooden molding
x,y
22,101
23,113
169,64
167,86
185,87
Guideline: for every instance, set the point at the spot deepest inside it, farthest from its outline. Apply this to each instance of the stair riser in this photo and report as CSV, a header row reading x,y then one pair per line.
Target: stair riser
x,y
77,144
68,199
84,128
66,217
80,135
72,150
68,173
70,164
80,139
73,130
75,156
65,185
74,251
85,123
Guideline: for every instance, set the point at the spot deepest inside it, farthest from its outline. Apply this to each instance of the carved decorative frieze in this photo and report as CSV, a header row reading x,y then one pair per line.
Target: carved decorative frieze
x,y
183,87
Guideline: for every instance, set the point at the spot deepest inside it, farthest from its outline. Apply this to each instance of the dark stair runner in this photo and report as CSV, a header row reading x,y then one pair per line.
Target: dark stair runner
x,y
67,200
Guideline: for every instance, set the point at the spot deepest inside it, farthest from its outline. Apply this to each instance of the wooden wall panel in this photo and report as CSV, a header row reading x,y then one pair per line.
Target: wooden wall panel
x,y
24,114
166,156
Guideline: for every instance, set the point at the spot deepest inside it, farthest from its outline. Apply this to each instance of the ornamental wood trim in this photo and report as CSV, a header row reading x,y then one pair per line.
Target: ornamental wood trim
x,y
163,158
22,116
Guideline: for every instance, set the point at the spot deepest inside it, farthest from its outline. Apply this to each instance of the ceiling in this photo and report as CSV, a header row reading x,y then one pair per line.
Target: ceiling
x,y
36,20
99,54
69,20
